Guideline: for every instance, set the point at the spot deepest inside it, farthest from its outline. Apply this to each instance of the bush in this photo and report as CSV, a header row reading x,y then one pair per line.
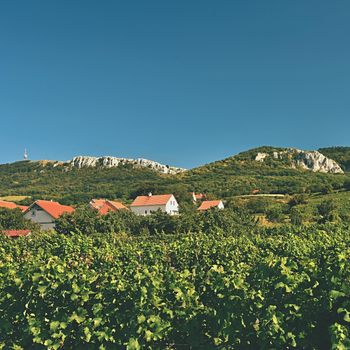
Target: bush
x,y
297,199
328,211
275,214
296,216
278,288
13,219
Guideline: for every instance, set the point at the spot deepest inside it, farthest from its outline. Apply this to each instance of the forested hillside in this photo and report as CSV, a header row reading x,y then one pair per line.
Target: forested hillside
x,y
236,175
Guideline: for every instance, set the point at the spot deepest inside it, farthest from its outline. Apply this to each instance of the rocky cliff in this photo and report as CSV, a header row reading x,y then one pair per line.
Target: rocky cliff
x,y
309,160
112,162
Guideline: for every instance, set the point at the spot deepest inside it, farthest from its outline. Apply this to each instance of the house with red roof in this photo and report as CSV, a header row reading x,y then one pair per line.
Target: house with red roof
x,y
197,197
104,206
211,204
45,213
146,205
16,233
11,205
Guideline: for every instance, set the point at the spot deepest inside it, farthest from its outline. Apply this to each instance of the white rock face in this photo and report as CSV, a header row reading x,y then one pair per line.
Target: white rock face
x,y
113,162
316,161
309,160
260,157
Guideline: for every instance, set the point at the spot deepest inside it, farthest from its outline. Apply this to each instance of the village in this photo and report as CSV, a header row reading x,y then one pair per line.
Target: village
x,y
46,212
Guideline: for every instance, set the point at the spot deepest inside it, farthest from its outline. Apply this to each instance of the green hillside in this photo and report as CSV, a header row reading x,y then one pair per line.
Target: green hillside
x,y
47,181
233,176
242,174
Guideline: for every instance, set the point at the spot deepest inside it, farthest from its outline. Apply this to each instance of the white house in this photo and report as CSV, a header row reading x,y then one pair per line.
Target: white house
x,y
145,205
45,213
211,204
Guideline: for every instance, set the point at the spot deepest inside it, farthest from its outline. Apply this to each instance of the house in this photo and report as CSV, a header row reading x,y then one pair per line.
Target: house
x,y
145,205
45,213
211,204
104,205
11,205
197,197
16,233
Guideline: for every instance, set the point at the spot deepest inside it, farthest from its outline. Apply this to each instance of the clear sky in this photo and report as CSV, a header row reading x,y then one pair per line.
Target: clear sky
x,y
183,82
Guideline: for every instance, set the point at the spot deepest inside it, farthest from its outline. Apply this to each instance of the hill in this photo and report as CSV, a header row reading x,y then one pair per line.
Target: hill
x,y
340,154
247,171
280,171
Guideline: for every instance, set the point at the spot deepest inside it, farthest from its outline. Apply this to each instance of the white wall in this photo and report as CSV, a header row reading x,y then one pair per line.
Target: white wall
x,y
147,209
172,208
40,217
221,205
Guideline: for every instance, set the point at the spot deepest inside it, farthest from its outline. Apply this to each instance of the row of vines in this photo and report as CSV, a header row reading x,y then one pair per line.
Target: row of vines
x,y
284,288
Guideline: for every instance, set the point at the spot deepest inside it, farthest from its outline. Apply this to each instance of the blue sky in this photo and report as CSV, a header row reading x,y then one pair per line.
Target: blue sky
x,y
182,82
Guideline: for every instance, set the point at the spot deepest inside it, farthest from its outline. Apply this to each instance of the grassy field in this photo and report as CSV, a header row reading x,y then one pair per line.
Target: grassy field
x,y
14,198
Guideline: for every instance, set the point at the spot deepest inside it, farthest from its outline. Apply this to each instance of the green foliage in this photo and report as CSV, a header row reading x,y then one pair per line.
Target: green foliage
x,y
12,219
275,214
87,221
280,288
258,205
328,211
296,216
298,199
346,184
222,179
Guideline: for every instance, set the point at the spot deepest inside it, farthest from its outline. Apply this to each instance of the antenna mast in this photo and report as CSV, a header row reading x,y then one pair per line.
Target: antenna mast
x,y
25,156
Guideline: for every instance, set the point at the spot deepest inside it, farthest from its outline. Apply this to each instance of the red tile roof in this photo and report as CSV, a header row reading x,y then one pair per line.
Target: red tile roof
x,y
209,204
16,233
11,205
54,209
199,196
141,201
104,206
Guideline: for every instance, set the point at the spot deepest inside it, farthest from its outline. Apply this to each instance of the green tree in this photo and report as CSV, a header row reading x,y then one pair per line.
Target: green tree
x,y
13,219
328,211
300,198
296,216
275,214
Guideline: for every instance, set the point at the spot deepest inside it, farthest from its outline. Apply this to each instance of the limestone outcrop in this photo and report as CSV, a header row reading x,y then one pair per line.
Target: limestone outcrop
x,y
113,162
309,160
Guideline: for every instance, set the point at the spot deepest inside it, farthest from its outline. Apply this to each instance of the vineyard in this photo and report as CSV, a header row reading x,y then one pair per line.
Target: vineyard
x,y
279,288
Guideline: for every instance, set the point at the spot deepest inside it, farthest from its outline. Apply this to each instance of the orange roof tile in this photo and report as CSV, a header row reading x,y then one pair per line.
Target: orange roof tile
x,y
151,200
11,205
16,233
198,196
54,209
104,206
209,204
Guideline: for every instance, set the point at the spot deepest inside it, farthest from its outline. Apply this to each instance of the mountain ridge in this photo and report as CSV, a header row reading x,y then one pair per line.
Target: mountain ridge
x,y
237,175
313,160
